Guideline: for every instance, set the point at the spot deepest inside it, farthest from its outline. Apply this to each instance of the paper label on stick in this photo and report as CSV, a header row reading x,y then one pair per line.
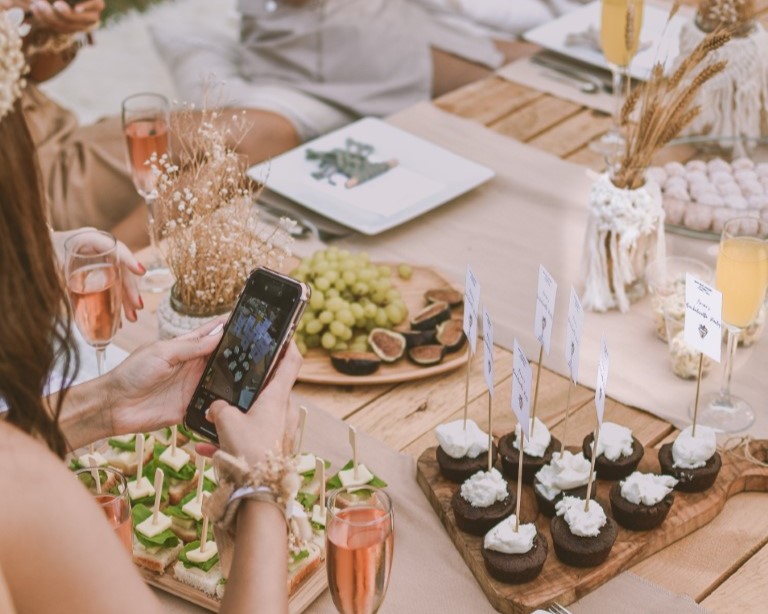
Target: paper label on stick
x,y
573,335
703,314
545,308
602,380
471,304
521,388
488,350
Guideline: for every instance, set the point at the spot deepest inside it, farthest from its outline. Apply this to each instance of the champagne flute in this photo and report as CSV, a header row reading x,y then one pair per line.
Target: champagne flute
x,y
111,495
359,545
92,269
620,25
742,277
146,119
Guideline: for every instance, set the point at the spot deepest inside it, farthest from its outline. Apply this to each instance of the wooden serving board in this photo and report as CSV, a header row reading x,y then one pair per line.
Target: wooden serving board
x,y
563,584
317,367
309,590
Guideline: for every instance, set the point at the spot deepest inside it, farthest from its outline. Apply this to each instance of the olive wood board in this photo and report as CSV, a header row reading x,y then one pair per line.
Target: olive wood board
x,y
317,367
310,589
562,584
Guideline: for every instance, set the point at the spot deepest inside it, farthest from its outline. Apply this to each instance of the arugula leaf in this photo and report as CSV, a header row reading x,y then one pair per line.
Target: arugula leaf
x,y
190,434
187,563
186,473
166,539
335,481
128,446
307,500
175,510
309,475
295,558
317,526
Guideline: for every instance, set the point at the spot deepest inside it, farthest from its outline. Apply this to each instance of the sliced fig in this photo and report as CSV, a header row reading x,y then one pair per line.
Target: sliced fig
x,y
414,338
387,344
355,363
426,355
451,334
444,295
431,316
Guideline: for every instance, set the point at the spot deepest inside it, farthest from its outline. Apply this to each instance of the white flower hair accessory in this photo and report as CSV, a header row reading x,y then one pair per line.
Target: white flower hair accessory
x,y
13,65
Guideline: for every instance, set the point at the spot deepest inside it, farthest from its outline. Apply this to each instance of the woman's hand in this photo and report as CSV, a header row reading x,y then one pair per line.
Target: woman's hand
x,y
64,19
270,423
153,386
130,268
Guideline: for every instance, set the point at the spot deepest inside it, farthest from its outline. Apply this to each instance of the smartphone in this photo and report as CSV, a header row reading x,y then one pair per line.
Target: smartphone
x,y
255,337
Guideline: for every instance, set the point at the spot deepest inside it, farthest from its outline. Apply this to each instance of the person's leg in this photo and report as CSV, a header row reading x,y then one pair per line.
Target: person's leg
x,y
269,134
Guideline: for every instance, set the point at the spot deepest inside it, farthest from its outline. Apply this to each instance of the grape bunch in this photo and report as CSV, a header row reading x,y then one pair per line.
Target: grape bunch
x,y
350,297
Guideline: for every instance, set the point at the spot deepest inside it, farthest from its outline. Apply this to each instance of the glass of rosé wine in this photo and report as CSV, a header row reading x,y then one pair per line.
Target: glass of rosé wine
x,y
111,495
146,120
360,536
94,288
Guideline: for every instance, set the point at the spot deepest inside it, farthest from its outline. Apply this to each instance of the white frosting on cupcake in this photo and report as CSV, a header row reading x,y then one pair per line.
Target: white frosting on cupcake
x,y
582,523
562,473
504,538
539,441
646,488
614,441
689,452
458,442
484,488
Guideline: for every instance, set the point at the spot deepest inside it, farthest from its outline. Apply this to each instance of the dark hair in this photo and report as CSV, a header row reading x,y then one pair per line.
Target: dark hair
x,y
34,313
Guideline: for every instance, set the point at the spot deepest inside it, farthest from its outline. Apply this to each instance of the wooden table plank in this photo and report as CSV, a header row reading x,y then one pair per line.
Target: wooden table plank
x,y
342,401
488,100
573,134
745,588
535,118
588,157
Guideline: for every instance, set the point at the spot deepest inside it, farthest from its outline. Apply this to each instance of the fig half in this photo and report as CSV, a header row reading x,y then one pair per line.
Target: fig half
x,y
387,344
426,355
431,316
355,363
451,334
415,338
444,295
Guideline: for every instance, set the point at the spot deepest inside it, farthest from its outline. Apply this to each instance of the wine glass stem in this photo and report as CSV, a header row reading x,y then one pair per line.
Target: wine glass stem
x,y
618,79
730,351
152,230
100,355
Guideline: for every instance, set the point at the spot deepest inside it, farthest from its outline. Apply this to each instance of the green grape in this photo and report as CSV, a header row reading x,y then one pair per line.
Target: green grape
x,y
335,304
313,327
357,310
312,341
340,285
325,317
328,341
349,277
337,328
343,253
381,317
341,345
322,283
404,271
360,288
345,317
385,271
332,275
384,284
317,300
379,297
332,293
321,267
393,295
368,274
302,323
395,315
359,347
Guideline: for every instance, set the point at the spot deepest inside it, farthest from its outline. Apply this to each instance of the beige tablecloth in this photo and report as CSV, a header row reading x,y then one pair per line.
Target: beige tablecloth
x,y
534,212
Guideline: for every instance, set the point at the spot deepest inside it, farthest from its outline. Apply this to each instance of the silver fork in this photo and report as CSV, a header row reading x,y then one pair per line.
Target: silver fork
x,y
556,608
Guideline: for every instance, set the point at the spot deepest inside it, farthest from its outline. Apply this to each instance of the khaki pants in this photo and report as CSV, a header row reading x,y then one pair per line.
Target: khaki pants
x,y
83,168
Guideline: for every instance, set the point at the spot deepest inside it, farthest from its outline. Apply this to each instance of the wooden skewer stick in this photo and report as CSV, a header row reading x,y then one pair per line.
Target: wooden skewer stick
x,y
95,472
159,476
140,455
696,402
91,448
320,473
519,480
204,535
490,431
200,466
536,389
174,433
592,468
353,443
302,422
565,420
466,388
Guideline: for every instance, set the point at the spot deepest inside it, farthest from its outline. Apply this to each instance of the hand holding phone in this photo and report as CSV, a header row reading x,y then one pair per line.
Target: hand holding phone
x,y
255,337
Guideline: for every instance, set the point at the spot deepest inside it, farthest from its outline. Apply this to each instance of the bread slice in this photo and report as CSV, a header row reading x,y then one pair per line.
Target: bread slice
x,y
128,462
205,581
305,567
178,489
185,530
155,560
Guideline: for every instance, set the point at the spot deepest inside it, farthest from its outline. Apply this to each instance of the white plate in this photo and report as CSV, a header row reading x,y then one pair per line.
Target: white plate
x,y
664,45
425,177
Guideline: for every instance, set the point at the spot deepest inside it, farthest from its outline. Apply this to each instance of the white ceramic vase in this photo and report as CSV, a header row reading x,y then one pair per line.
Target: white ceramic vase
x,y
174,320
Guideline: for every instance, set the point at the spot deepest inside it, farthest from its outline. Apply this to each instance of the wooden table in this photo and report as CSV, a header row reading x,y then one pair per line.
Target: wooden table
x,y
722,565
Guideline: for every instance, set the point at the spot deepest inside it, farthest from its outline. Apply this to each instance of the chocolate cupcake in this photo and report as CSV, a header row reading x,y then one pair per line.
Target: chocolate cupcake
x,y
462,452
693,461
618,452
537,452
482,502
566,474
642,501
514,557
582,539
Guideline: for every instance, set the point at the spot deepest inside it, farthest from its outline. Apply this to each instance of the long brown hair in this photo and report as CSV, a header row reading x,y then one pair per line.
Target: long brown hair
x,y
34,317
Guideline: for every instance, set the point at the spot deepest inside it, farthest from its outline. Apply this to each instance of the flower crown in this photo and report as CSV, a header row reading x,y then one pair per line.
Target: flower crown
x,y
13,65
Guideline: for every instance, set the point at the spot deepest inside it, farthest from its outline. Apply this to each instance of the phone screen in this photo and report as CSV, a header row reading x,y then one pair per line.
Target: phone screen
x,y
255,332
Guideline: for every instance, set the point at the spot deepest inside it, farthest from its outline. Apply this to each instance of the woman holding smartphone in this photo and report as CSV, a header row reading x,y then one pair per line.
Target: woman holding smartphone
x,y
57,552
